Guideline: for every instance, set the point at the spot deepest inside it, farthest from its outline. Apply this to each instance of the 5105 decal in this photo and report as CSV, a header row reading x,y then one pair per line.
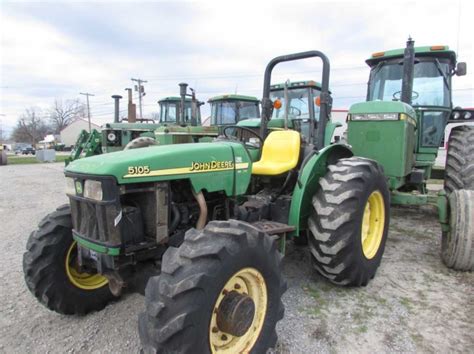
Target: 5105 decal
x,y
138,170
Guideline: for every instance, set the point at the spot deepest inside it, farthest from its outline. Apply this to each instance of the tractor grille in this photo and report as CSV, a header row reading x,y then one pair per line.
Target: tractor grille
x,y
95,220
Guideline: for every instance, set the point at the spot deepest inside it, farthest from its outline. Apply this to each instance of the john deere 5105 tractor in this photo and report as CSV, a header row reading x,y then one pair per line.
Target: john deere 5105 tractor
x,y
212,220
402,125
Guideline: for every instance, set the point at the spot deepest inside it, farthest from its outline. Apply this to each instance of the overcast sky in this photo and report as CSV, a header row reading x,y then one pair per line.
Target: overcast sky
x,y
58,49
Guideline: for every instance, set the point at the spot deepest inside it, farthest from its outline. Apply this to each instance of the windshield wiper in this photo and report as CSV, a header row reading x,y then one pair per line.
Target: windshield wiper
x,y
445,79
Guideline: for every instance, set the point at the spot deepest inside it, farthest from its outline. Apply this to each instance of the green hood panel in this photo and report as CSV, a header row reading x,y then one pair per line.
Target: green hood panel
x,y
382,107
211,166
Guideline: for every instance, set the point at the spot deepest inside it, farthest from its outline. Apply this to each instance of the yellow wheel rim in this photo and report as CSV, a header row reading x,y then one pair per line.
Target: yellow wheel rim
x,y
373,223
84,280
247,281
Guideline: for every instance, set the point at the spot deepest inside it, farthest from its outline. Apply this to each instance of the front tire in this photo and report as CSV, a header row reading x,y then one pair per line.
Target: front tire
x,y
349,221
457,245
50,271
183,303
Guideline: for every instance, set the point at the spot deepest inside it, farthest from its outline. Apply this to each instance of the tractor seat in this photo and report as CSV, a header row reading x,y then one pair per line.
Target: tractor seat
x,y
280,153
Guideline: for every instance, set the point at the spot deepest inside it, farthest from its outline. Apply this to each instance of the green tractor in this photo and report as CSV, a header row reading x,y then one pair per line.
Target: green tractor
x,y
231,109
176,125
205,226
402,124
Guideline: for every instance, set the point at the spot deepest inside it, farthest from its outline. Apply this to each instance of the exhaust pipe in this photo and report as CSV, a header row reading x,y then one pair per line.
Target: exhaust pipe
x,y
183,88
194,108
408,71
117,108
132,108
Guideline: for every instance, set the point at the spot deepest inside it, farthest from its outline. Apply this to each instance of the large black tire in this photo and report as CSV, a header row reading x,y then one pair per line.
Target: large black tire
x,y
180,301
140,142
459,171
44,266
335,222
457,245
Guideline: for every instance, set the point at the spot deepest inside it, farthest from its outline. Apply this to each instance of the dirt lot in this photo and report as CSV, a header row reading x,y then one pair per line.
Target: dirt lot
x,y
414,303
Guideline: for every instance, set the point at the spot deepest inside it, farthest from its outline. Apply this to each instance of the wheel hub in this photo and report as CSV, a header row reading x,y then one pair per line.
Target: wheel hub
x,y
373,221
235,313
239,313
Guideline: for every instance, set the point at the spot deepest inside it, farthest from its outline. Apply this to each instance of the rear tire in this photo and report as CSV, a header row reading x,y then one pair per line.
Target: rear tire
x,y
457,245
348,224
181,301
459,171
46,275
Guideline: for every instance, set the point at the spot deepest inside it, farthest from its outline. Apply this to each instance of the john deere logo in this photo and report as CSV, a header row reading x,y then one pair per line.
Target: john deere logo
x,y
213,165
78,187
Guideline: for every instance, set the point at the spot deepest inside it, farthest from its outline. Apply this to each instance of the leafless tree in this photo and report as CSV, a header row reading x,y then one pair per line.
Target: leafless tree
x,y
64,113
30,127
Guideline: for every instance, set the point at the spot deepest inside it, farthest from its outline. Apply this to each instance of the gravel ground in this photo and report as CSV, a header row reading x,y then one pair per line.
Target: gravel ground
x,y
414,304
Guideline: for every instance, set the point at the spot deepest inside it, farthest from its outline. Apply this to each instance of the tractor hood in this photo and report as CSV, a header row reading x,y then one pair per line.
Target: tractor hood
x,y
382,107
211,166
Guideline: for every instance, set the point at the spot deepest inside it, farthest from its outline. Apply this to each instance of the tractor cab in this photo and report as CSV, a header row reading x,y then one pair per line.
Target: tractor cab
x,y
408,106
299,101
170,108
231,109
431,89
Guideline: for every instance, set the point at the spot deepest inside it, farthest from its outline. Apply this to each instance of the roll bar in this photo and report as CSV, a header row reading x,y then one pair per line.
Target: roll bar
x,y
326,101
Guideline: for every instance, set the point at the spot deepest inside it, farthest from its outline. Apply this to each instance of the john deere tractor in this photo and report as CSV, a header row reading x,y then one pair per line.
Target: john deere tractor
x,y
231,109
180,122
402,125
206,225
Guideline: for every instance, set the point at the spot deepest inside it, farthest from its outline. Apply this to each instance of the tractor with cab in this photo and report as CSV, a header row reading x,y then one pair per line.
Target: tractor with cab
x,y
401,126
206,225
231,109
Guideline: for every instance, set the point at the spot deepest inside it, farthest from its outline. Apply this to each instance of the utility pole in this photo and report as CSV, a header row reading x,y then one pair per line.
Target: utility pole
x,y
88,107
141,93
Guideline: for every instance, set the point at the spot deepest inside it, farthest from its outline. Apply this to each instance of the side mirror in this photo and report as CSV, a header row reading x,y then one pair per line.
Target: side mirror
x,y
461,69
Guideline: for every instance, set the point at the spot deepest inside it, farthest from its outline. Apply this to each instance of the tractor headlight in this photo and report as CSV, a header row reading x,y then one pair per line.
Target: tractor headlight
x,y
93,190
111,137
70,186
375,116
456,115
467,115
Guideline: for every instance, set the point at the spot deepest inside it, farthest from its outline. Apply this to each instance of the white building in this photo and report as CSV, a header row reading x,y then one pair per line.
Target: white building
x,y
70,134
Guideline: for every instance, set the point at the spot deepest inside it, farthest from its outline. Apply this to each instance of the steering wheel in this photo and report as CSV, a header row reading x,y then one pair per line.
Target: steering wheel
x,y
397,95
248,130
